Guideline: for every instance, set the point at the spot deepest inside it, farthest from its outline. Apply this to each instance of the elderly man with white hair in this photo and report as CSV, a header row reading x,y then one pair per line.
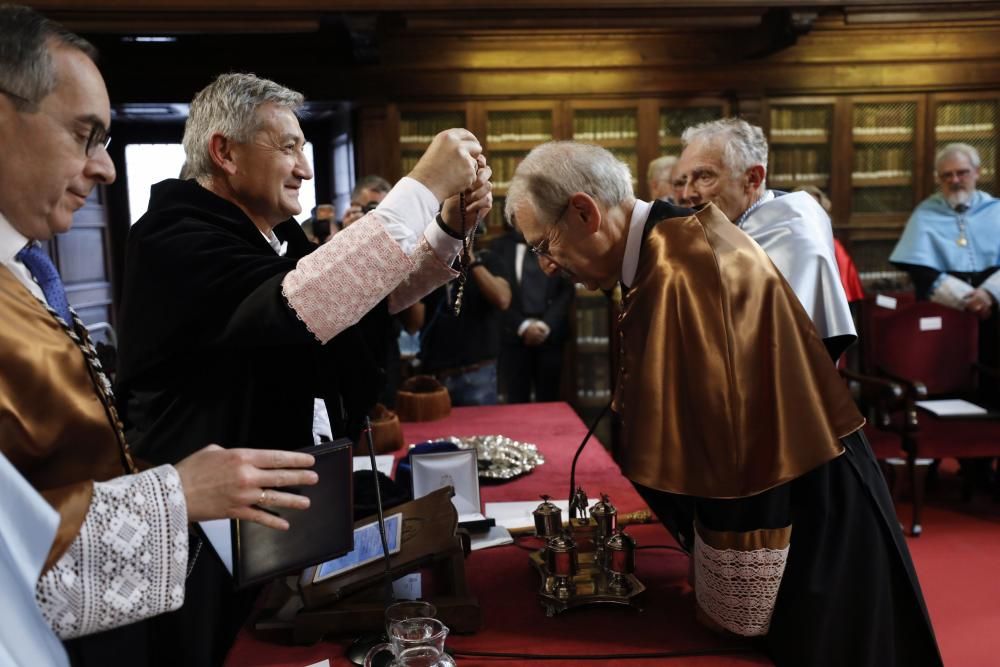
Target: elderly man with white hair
x,y
725,162
951,244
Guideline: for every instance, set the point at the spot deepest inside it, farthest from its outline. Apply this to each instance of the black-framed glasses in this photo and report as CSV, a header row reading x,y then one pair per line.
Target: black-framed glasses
x,y
98,136
542,247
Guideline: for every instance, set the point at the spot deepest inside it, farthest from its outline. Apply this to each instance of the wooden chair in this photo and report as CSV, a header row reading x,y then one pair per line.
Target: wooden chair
x,y
933,352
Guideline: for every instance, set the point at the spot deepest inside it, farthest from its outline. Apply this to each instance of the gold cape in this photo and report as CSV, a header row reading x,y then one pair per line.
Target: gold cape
x,y
53,424
725,389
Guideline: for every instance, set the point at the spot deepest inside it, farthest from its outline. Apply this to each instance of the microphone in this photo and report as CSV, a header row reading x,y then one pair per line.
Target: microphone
x,y
360,647
572,470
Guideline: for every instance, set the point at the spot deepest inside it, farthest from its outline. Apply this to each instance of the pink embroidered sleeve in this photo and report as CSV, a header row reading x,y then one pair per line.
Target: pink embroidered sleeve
x,y
429,272
333,287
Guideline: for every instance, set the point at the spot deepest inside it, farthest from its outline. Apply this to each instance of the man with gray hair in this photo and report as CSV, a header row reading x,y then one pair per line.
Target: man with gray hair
x,y
725,162
232,323
659,178
111,548
951,244
716,356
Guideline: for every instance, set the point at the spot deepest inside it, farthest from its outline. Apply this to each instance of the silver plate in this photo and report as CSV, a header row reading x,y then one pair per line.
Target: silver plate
x,y
499,457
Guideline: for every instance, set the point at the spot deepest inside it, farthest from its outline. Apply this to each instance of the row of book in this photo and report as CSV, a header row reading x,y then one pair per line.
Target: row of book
x,y
800,121
597,126
799,161
869,159
519,126
883,173
967,115
673,122
883,117
591,324
422,128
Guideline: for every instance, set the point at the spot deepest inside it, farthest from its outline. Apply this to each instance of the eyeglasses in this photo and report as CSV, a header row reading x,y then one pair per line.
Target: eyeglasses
x,y
98,135
542,247
961,174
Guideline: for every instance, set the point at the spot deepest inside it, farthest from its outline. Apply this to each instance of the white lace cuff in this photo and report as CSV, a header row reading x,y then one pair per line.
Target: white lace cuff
x,y
949,291
430,272
737,588
333,287
129,561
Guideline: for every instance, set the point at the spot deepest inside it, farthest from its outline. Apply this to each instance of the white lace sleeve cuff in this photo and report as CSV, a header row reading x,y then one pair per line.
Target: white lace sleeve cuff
x,y
949,291
429,272
129,561
333,287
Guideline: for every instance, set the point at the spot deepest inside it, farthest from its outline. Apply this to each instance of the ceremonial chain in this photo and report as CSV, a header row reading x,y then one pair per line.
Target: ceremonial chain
x,y
465,258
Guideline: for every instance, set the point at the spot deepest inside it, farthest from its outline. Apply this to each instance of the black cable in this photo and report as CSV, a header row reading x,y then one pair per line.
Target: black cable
x,y
390,597
579,450
691,653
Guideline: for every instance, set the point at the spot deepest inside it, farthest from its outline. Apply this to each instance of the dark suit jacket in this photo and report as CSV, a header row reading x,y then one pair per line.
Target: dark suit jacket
x,y
558,295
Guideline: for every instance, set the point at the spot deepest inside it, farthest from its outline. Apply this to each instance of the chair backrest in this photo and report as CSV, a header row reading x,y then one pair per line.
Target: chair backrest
x,y
923,341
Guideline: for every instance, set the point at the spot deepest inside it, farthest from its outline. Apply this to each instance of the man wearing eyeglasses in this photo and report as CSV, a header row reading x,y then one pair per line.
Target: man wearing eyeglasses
x,y
951,244
727,398
115,550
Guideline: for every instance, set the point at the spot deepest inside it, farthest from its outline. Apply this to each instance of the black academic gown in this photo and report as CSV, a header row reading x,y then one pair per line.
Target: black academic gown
x,y
210,352
849,594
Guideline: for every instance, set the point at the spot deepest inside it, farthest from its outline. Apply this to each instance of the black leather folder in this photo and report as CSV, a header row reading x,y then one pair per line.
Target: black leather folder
x,y
318,534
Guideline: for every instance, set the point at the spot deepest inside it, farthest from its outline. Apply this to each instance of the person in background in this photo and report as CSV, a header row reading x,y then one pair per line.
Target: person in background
x,y
725,162
366,195
659,178
727,397
320,225
114,550
536,325
951,243
461,349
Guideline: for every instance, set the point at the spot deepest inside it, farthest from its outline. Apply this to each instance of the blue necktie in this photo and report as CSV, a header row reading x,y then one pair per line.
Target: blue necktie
x,y
44,272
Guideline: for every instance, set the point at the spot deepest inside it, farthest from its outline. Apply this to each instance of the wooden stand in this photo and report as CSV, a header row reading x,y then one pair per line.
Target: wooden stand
x,y
353,602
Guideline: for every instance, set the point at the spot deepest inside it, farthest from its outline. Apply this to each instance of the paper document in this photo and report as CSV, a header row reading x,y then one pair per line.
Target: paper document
x,y
515,515
221,539
383,462
953,407
497,536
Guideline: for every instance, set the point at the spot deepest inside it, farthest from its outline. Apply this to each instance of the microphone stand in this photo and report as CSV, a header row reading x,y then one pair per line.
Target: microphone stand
x,y
360,647
572,469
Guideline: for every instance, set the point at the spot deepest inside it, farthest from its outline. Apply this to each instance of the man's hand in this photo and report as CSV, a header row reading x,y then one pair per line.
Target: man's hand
x,y
535,334
478,201
228,483
449,164
979,302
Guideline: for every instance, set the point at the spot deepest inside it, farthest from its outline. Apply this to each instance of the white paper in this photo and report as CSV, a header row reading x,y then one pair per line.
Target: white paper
x,y
952,407
930,323
497,536
408,587
471,516
221,539
321,663
518,514
884,301
383,462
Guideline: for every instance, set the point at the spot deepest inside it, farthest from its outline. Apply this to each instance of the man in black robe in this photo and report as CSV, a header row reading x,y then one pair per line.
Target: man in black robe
x,y
727,396
232,323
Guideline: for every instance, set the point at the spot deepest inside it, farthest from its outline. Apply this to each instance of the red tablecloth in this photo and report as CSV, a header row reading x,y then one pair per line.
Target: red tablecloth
x,y
506,584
